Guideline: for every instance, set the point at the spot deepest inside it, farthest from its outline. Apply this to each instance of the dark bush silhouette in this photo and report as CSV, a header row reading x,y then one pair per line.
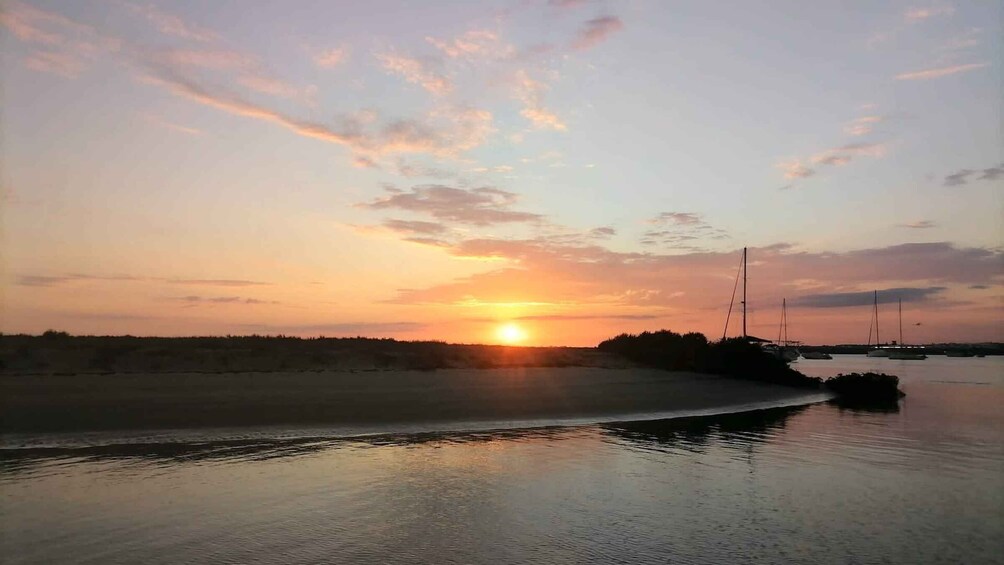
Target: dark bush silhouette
x,y
54,334
734,357
866,387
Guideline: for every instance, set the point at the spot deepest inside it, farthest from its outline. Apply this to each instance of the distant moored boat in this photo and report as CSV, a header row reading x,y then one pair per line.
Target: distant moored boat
x,y
816,355
903,352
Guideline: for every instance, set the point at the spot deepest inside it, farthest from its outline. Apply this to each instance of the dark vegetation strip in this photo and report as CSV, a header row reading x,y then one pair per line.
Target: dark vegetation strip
x,y
60,353
738,358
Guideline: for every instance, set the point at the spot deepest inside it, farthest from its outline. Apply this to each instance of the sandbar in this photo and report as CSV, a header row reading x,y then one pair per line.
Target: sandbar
x,y
158,401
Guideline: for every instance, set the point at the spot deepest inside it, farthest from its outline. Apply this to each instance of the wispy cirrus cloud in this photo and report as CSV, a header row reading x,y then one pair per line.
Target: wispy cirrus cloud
x,y
862,125
531,93
921,13
330,58
845,153
964,176
928,74
246,70
919,224
596,31
602,232
170,24
59,280
58,63
472,45
795,169
416,71
218,282
962,42
476,206
412,170
195,300
416,227
680,230
161,122
42,280
444,132
677,218
60,45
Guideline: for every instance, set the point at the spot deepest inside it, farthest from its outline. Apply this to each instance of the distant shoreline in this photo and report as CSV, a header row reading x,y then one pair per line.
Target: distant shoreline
x,y
58,353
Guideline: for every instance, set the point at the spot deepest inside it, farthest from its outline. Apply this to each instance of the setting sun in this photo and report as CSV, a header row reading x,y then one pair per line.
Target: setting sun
x,y
511,333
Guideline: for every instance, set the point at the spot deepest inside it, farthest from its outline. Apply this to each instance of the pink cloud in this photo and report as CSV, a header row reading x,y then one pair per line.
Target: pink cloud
x,y
531,93
862,125
922,13
416,72
940,72
444,132
249,71
214,59
170,24
831,159
58,63
597,31
23,24
68,46
794,169
844,154
473,44
330,58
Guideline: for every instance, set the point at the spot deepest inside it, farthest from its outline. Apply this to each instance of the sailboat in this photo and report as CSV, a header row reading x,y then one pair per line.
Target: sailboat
x,y
782,352
905,353
879,351
781,348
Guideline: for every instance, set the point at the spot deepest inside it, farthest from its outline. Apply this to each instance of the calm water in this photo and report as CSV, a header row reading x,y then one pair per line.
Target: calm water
x,y
816,484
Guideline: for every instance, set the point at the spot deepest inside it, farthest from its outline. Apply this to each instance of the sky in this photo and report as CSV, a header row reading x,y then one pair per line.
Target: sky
x,y
550,172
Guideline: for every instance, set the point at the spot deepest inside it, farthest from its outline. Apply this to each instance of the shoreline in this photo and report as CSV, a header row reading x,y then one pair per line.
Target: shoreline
x,y
366,403
63,442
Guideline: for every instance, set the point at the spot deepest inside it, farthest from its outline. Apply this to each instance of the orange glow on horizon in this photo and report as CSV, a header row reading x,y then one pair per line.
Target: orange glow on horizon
x,y
511,334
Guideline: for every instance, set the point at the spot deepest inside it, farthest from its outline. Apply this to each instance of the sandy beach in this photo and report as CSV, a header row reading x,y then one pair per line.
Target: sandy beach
x,y
63,403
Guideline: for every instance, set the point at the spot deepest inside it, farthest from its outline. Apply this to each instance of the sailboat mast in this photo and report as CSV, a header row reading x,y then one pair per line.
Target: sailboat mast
x,y
744,292
784,319
901,321
877,340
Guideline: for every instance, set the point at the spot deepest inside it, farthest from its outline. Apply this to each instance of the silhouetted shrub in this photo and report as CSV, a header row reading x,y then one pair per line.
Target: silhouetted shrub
x,y
53,334
733,357
870,387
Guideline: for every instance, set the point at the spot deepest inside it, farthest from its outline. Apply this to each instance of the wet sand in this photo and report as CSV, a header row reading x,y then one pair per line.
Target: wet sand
x,y
73,403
